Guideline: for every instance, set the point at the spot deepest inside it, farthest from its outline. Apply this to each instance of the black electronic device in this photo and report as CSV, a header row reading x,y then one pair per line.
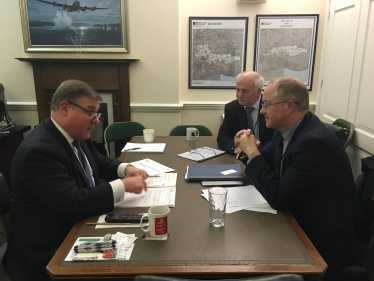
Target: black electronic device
x,y
125,218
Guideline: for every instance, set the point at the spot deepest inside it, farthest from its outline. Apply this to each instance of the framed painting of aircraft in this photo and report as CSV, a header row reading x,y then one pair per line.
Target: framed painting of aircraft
x,y
74,26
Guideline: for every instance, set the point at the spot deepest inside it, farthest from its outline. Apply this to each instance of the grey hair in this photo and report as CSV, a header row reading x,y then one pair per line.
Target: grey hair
x,y
258,81
72,90
291,88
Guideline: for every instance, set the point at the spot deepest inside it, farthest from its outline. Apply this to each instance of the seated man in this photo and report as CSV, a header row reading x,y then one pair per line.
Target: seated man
x,y
55,181
244,113
306,169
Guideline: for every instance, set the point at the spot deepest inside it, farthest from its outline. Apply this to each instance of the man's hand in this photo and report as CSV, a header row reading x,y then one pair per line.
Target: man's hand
x,y
134,184
132,171
247,142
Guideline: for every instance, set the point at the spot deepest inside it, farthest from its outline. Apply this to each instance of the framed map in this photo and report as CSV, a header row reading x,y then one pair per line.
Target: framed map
x,y
217,51
285,45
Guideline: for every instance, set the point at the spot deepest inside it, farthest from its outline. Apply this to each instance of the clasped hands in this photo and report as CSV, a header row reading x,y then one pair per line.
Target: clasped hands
x,y
245,141
135,180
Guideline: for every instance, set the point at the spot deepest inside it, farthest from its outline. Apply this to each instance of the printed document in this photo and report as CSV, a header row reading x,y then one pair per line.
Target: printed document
x,y
244,198
153,168
152,197
144,147
162,180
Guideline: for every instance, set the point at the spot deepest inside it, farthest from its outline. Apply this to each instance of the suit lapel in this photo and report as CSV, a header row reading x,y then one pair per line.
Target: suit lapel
x,y
66,146
241,116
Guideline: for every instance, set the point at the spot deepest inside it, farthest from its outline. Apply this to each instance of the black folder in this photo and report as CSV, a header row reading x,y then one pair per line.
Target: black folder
x,y
214,172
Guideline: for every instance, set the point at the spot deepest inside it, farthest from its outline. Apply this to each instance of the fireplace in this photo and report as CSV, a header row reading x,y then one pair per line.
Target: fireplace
x,y
105,75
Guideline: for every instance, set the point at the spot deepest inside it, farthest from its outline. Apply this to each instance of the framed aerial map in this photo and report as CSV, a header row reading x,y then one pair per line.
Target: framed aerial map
x,y
217,51
285,45
74,26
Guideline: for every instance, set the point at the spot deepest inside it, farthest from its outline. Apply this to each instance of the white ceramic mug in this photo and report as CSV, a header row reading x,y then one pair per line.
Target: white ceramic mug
x,y
192,133
158,221
148,135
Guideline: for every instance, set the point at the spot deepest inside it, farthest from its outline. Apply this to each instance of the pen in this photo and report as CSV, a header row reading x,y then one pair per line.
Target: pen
x,y
130,149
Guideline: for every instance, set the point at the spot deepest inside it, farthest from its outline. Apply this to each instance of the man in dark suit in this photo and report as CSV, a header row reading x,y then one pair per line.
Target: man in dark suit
x,y
53,185
248,102
311,174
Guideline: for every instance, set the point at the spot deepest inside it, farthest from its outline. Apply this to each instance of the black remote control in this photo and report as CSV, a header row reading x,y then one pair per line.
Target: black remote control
x,y
126,218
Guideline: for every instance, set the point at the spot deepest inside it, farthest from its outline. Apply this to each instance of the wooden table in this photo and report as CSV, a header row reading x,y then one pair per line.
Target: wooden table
x,y
250,243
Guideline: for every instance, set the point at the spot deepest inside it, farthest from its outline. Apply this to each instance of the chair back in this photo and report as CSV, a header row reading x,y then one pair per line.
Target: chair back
x,y
122,131
180,130
348,126
340,133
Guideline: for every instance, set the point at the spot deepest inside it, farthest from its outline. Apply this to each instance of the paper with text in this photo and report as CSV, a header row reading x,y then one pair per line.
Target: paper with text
x,y
153,196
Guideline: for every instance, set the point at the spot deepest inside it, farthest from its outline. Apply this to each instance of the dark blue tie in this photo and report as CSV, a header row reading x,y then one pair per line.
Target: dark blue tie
x,y
84,163
248,110
278,156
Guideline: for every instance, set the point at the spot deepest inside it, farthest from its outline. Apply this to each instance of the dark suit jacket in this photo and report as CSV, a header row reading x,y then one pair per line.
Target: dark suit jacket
x,y
316,185
50,192
236,120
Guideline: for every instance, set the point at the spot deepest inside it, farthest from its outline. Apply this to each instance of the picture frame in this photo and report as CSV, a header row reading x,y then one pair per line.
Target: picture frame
x,y
71,27
286,45
217,51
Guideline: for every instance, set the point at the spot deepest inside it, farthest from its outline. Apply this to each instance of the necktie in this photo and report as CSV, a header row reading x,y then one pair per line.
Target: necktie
x,y
248,110
278,156
84,163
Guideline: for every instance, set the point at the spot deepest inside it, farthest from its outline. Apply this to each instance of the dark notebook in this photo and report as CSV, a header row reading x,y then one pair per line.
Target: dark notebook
x,y
214,172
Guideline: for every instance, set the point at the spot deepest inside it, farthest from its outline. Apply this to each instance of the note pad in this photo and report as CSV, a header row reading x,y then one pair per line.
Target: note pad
x,y
144,147
214,172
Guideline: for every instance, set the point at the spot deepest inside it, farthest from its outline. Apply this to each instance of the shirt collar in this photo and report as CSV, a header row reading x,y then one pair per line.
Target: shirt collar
x,y
256,104
63,132
287,135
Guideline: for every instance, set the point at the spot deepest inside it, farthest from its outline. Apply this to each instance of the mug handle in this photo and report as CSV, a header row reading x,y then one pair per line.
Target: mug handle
x,y
141,222
197,133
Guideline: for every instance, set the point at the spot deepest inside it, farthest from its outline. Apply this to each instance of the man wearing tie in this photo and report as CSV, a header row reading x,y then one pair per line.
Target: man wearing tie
x,y
244,113
306,169
56,174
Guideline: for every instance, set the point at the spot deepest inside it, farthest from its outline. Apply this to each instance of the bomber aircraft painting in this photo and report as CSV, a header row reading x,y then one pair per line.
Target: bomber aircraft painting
x,y
75,7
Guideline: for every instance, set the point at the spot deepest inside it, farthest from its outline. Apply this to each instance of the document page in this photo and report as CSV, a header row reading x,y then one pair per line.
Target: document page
x,y
153,168
202,153
153,196
144,147
162,180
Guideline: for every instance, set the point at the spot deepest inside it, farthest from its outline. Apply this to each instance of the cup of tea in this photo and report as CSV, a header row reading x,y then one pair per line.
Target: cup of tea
x,y
148,135
158,221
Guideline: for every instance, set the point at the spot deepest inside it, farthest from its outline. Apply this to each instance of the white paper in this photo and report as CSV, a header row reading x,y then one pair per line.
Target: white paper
x,y
144,147
153,196
201,153
153,168
162,180
244,198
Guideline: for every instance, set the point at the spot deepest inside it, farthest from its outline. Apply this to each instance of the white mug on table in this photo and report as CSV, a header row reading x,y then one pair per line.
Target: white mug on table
x,y
158,221
149,135
192,133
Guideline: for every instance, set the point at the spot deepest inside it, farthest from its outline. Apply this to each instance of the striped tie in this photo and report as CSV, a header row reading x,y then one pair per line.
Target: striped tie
x,y
84,163
249,118
278,157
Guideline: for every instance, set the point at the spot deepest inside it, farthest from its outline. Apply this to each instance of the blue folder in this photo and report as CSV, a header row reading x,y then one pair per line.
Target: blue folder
x,y
214,172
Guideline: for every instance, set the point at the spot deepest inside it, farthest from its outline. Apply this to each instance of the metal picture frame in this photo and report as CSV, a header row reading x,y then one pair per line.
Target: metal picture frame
x,y
69,26
217,51
286,45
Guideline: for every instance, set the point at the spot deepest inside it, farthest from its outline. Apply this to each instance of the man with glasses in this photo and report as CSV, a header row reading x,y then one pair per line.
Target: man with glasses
x,y
306,169
244,113
56,174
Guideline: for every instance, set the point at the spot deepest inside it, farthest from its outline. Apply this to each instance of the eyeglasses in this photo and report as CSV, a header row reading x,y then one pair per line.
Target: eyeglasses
x,y
204,152
91,114
266,105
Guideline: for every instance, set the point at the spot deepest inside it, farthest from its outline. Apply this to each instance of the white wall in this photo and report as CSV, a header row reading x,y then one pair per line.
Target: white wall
x,y
158,36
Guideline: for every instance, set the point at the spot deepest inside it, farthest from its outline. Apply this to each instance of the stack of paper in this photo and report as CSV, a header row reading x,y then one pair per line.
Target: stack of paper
x,y
153,168
244,198
162,180
202,153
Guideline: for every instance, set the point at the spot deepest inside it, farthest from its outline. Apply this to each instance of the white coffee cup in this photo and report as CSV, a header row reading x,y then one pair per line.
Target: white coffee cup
x,y
149,135
192,133
158,221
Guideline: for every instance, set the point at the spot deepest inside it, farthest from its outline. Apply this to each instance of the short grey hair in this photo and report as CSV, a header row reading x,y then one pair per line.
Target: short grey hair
x,y
258,81
72,90
291,88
